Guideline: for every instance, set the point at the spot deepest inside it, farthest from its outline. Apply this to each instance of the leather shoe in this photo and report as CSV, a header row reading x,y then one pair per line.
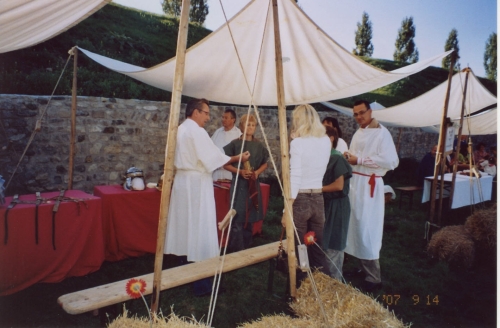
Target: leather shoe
x,y
369,287
353,273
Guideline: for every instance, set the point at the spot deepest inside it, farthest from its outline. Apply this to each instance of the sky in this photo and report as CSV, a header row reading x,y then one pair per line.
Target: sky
x,y
474,21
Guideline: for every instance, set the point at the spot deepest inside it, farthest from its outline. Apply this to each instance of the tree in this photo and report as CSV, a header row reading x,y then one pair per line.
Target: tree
x,y
490,57
199,11
363,38
172,7
406,50
451,43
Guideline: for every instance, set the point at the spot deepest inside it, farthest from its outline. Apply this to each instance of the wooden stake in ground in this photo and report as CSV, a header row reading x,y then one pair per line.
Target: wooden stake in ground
x,y
168,170
71,164
285,161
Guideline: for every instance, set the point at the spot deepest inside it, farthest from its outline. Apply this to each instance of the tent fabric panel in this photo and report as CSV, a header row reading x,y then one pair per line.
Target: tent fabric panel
x,y
426,109
315,67
26,23
481,124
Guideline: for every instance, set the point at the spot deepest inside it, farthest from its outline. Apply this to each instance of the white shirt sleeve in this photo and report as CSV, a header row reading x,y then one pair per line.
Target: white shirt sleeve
x,y
295,167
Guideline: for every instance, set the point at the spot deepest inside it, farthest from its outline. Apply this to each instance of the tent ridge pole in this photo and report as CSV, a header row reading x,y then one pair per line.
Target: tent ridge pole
x,y
168,169
72,138
439,155
285,161
459,136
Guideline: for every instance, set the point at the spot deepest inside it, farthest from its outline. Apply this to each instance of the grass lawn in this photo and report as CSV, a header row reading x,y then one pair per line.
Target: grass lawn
x,y
419,289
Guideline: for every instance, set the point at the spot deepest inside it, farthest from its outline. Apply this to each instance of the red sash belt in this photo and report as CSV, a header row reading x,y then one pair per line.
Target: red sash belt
x,y
371,182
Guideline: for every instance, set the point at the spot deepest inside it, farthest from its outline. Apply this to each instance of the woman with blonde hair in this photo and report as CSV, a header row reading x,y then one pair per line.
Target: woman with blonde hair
x,y
309,156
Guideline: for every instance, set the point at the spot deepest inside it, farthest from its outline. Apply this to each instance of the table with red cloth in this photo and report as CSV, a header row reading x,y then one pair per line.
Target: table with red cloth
x,y
130,218
79,244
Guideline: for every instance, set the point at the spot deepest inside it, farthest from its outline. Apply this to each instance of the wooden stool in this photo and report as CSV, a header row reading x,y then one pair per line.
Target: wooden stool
x,y
408,192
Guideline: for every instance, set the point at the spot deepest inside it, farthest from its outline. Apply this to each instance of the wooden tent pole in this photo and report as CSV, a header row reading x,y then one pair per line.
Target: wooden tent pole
x,y
71,164
399,140
285,161
459,136
442,133
168,169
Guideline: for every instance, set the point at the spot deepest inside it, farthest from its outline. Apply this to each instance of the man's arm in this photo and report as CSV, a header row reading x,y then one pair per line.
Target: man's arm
x,y
244,157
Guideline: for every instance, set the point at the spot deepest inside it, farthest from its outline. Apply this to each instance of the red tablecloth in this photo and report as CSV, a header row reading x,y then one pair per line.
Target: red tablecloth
x,y
130,218
78,240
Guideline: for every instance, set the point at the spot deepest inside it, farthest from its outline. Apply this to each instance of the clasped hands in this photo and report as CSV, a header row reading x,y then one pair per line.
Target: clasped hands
x,y
351,159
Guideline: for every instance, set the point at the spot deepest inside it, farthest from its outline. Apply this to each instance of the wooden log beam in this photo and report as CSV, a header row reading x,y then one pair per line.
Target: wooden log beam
x,y
98,297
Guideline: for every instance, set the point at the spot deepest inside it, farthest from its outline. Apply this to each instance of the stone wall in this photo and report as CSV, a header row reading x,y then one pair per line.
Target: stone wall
x,y
115,134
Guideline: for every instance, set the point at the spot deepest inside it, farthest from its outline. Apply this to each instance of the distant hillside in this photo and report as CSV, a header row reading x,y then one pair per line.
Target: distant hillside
x,y
136,37
145,39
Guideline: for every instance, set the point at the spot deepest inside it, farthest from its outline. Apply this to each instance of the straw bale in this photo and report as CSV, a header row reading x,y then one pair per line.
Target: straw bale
x,y
454,245
482,226
281,321
171,321
344,305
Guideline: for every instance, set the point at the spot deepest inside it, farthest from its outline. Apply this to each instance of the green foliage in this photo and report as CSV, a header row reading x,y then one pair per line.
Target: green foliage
x,y
132,36
406,51
490,57
451,43
363,38
172,7
199,11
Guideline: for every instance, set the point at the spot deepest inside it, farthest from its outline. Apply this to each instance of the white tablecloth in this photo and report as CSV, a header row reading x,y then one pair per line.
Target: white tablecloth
x,y
463,186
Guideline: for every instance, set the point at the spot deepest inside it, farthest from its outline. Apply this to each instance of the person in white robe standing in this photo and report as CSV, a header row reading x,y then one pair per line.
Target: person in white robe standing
x,y
192,224
372,153
222,137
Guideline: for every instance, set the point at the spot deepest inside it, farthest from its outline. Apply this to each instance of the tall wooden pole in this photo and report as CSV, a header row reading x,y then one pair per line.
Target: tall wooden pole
x,y
459,137
73,120
442,135
168,170
285,161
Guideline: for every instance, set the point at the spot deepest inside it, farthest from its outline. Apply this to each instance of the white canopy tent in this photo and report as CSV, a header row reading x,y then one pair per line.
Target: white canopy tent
x,y
315,67
425,110
24,23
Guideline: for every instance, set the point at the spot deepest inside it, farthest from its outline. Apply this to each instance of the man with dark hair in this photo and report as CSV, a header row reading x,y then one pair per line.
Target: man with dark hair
x,y
222,137
372,153
191,227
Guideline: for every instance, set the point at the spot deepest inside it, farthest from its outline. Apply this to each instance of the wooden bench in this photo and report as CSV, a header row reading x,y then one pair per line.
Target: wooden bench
x,y
105,295
407,192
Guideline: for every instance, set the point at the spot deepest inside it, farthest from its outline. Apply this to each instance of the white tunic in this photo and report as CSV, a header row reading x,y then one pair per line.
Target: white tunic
x,y
364,236
221,138
191,226
341,146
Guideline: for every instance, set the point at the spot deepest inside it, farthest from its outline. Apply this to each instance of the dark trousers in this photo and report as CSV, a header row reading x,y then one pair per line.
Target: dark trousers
x,y
240,236
200,287
309,215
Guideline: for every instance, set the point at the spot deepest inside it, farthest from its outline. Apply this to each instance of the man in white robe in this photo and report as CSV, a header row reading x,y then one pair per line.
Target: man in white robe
x,y
222,137
192,223
372,153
